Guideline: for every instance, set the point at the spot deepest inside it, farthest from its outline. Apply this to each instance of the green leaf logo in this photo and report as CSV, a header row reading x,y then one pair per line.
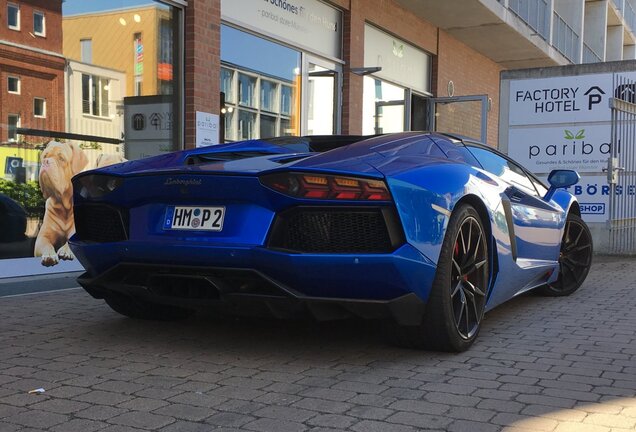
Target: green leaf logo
x,y
568,134
580,134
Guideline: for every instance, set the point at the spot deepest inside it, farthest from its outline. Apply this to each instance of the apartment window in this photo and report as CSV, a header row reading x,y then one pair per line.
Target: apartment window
x,y
13,16
13,123
39,24
39,107
95,95
86,46
13,85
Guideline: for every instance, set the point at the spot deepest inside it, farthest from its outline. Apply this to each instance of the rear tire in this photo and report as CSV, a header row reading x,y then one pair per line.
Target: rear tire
x,y
139,309
456,304
575,259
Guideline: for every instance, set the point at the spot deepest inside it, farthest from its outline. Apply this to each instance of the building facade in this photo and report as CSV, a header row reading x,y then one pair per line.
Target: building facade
x,y
31,67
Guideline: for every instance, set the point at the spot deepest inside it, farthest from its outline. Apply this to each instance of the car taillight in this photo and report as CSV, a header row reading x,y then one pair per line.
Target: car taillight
x,y
331,187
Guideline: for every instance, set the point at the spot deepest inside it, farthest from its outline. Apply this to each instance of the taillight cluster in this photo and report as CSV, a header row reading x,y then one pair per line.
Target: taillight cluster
x,y
331,187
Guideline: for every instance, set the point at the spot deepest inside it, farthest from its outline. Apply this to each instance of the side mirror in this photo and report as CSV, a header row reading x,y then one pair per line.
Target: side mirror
x,y
561,179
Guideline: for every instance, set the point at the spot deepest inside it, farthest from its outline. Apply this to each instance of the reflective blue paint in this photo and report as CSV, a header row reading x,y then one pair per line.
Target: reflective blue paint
x,y
425,184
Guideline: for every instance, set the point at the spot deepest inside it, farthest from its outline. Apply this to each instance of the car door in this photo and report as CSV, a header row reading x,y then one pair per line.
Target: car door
x,y
533,223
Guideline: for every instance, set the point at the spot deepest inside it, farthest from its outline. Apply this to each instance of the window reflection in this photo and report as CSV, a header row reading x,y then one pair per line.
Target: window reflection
x,y
266,92
383,107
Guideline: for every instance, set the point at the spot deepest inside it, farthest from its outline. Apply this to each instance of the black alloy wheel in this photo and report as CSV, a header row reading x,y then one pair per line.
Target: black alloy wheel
x,y
457,300
469,277
575,258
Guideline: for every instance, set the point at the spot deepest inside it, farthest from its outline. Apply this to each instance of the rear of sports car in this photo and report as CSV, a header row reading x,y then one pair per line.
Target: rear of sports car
x,y
261,238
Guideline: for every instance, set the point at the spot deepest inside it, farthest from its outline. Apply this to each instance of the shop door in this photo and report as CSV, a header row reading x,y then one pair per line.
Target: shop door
x,y
419,114
321,98
463,115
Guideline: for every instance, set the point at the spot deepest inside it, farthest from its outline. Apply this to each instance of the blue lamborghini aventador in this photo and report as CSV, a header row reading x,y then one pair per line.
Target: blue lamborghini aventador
x,y
425,229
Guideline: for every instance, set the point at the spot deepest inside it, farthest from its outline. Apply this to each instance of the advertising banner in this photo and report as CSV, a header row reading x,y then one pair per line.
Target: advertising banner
x,y
564,122
581,147
309,23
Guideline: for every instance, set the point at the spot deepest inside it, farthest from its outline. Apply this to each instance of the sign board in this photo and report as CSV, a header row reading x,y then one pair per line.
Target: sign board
x,y
12,164
401,62
565,122
148,126
578,146
309,23
207,130
560,99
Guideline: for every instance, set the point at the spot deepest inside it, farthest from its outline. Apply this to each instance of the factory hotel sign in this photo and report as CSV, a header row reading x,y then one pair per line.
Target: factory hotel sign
x,y
565,123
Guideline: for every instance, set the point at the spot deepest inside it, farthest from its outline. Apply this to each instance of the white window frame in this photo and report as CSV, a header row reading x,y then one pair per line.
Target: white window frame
x,y
43,115
91,96
9,78
43,33
17,125
10,5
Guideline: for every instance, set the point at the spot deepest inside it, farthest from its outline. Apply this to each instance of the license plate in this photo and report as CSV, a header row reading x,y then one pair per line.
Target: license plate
x,y
194,218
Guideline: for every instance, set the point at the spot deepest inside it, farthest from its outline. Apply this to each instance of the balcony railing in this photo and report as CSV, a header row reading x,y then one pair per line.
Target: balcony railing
x,y
565,39
535,13
589,56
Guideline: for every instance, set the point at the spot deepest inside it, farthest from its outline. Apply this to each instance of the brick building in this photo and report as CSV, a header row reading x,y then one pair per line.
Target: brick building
x,y
31,66
446,56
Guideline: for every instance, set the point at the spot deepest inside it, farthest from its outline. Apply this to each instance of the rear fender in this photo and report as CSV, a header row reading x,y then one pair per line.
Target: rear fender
x,y
425,198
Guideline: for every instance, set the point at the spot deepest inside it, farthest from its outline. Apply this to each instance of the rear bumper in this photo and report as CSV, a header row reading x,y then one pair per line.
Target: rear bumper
x,y
328,286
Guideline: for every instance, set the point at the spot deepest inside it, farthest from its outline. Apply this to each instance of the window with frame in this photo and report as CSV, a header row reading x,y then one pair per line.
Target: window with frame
x,y
39,24
13,16
86,50
13,84
95,95
263,105
39,107
13,123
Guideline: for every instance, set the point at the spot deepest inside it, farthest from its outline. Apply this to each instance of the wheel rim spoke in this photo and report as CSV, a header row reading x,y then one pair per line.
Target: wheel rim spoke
x,y
470,271
575,256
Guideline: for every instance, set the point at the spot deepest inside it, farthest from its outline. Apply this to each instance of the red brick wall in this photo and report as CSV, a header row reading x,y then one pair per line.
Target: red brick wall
x,y
472,73
41,76
390,17
202,62
52,9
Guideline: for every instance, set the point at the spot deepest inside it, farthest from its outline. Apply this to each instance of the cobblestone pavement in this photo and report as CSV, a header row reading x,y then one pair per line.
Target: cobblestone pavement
x,y
565,364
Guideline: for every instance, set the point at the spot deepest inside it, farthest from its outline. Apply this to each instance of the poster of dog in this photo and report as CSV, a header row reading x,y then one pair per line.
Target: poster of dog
x,y
59,163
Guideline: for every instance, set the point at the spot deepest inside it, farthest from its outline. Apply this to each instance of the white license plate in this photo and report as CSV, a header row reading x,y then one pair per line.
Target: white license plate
x,y
194,218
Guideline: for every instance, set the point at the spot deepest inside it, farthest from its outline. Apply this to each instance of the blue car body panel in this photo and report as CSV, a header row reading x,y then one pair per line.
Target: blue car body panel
x,y
426,182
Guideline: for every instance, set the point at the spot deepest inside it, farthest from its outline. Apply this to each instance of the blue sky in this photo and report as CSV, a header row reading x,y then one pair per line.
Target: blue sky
x,y
72,7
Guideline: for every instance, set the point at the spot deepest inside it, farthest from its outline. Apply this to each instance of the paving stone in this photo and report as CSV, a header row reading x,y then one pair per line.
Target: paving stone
x,y
229,419
142,404
37,419
336,421
142,420
377,426
78,425
285,413
322,405
185,412
421,421
269,425
60,406
100,412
